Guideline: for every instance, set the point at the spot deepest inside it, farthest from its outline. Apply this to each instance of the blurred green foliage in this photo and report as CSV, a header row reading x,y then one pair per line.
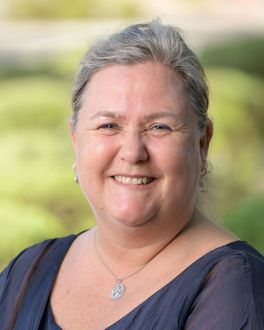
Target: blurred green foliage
x,y
39,198
242,53
21,224
237,146
236,79
246,219
61,9
38,110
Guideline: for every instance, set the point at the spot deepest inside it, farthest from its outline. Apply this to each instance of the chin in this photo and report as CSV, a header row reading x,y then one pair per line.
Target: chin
x,y
133,219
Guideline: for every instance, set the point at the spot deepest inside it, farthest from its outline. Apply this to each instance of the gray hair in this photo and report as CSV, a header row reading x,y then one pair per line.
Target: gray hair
x,y
139,43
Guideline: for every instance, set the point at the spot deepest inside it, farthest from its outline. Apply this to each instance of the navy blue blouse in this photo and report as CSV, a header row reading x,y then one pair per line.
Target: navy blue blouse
x,y
222,290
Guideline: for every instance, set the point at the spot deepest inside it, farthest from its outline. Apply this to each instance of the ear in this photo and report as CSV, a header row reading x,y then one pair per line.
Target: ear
x,y
205,139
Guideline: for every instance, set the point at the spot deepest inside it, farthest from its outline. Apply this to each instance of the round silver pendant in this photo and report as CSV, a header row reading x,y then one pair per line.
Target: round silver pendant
x,y
118,291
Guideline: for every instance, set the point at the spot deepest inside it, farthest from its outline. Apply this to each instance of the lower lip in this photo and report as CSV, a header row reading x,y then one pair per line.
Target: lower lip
x,y
135,186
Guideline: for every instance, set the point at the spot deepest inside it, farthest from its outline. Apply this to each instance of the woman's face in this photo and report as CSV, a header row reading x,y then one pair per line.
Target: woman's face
x,y
137,144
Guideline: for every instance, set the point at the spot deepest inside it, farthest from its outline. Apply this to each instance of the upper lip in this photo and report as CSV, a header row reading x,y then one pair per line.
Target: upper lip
x,y
134,175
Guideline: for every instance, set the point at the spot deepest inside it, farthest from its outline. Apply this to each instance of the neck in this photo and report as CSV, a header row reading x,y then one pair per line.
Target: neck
x,y
132,247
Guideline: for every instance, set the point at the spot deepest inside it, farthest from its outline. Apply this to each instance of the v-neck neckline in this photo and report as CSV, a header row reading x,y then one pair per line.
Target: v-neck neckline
x,y
222,248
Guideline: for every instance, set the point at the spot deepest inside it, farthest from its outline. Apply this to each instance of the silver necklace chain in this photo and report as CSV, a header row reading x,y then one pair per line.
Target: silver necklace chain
x,y
119,288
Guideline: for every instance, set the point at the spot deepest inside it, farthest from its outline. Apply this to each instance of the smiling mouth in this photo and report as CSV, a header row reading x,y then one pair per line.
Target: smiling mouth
x,y
134,180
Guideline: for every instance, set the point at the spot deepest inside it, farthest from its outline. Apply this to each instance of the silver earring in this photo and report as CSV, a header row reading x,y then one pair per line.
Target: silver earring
x,y
76,178
204,168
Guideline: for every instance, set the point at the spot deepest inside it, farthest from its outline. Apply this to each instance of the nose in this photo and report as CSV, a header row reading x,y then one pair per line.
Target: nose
x,y
133,148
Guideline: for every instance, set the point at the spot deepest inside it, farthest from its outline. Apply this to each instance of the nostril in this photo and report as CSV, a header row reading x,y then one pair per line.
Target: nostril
x,y
134,152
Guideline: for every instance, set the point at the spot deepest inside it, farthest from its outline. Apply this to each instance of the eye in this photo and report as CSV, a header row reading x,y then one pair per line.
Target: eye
x,y
160,127
108,126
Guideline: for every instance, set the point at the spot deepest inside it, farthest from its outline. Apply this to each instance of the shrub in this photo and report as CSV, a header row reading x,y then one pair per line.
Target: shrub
x,y
34,103
23,225
244,54
237,146
246,220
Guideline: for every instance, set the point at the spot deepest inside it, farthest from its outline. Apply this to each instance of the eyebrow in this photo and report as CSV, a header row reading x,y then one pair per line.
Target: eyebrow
x,y
152,116
110,114
162,114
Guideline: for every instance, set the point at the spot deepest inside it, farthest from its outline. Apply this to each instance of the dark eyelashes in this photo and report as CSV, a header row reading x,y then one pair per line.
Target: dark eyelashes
x,y
108,126
154,126
160,127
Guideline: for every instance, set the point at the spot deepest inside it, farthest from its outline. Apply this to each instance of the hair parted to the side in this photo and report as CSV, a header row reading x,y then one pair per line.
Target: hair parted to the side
x,y
139,43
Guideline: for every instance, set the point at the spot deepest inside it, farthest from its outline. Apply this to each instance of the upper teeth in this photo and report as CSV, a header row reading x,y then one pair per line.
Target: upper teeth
x,y
129,180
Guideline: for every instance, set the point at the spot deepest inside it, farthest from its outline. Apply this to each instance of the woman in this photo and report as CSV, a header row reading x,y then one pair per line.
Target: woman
x,y
141,133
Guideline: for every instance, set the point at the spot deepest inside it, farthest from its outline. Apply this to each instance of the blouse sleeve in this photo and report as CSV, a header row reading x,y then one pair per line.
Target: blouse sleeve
x,y
231,298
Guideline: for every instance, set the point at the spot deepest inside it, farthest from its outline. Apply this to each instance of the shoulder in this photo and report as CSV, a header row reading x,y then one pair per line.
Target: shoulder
x,y
27,276
28,259
244,266
241,268
232,293
242,260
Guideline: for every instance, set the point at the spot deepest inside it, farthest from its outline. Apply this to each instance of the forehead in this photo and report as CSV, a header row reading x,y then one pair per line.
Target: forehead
x,y
139,88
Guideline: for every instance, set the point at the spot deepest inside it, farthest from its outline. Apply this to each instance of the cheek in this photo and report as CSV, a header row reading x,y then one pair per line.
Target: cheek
x,y
185,172
192,158
179,156
93,154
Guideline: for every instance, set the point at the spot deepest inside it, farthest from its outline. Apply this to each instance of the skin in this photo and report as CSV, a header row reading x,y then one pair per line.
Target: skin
x,y
153,132
135,121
